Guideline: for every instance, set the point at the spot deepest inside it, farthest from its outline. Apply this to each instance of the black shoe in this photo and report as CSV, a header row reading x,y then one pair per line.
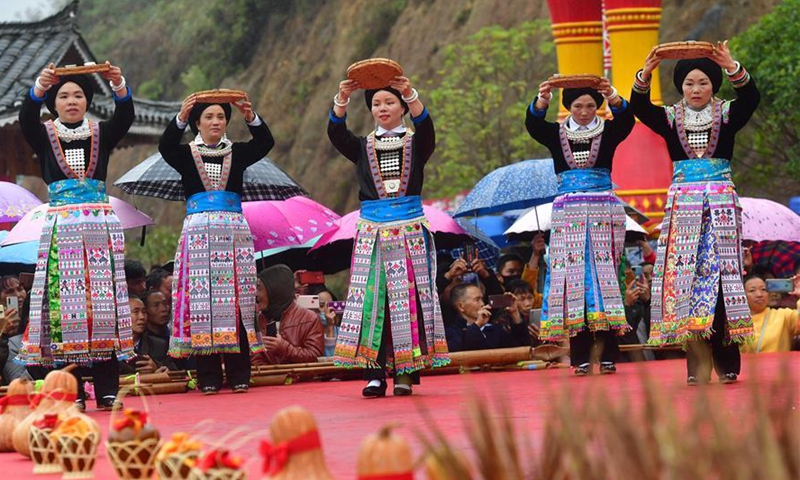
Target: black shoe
x,y
607,368
400,390
582,371
728,378
80,404
108,403
691,381
375,391
241,388
209,390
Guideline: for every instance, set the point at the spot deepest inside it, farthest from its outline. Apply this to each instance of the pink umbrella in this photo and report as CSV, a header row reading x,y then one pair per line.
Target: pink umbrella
x,y
335,248
15,202
30,227
287,223
764,220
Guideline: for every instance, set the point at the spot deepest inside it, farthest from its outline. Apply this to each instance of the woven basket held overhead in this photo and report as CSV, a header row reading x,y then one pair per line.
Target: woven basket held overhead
x,y
683,50
83,69
220,95
374,72
574,81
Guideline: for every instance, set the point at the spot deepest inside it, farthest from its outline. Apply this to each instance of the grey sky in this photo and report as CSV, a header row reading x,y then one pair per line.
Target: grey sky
x,y
17,10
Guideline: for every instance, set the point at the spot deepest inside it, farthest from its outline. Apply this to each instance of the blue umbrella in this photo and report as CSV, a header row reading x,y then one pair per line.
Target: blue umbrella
x,y
519,185
24,253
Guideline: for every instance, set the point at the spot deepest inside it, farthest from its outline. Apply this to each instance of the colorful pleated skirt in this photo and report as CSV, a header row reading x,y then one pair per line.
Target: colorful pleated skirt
x,y
214,281
699,256
79,300
392,285
582,289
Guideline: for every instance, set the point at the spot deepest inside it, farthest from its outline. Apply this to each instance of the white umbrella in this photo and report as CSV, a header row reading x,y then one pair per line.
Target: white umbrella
x,y
538,219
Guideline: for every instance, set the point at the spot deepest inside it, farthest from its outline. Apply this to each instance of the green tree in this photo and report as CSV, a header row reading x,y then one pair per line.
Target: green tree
x,y
770,50
159,246
479,106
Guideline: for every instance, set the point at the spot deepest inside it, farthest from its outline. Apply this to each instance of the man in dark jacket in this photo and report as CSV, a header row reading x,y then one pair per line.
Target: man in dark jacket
x,y
472,329
301,336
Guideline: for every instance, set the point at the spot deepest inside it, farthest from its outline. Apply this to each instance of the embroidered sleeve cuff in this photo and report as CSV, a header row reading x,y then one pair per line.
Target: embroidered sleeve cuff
x,y
621,108
181,125
34,97
422,116
535,111
127,96
334,119
256,121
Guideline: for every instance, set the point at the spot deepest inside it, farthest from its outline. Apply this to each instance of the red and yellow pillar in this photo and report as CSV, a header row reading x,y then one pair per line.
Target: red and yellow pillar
x,y
633,31
578,32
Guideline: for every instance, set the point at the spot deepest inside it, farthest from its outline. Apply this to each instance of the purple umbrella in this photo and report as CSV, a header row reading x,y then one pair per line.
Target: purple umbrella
x,y
287,223
15,202
764,220
30,227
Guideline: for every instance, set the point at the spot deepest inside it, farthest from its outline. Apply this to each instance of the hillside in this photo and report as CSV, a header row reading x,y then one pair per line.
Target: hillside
x,y
290,56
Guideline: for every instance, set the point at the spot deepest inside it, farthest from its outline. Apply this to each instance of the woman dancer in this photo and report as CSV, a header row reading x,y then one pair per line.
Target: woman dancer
x,y
698,296
214,284
582,298
79,300
392,305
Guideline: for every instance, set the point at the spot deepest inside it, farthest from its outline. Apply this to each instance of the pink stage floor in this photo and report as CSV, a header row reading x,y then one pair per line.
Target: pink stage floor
x,y
345,418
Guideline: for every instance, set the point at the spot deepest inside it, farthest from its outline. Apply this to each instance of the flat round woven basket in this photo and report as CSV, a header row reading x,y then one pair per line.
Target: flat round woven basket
x,y
684,50
374,72
82,69
574,81
220,95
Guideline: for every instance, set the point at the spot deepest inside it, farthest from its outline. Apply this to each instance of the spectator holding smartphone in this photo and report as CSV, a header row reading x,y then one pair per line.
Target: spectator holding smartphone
x,y
774,328
472,329
12,326
327,316
300,338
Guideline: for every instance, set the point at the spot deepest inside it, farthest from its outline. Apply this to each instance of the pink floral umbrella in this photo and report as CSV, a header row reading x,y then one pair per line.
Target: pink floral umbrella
x,y
287,223
764,220
15,202
334,250
30,227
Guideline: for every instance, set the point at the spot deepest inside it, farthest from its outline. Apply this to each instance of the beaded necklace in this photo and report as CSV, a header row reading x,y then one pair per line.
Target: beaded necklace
x,y
390,171
586,158
73,164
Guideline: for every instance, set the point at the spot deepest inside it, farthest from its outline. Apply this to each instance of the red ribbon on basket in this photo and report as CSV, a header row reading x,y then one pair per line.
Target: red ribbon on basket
x,y
276,456
14,401
57,396
388,476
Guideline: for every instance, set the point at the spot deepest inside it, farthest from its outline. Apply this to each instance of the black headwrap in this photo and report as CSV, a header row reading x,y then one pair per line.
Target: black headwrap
x,y
83,81
569,95
198,110
368,94
279,282
711,69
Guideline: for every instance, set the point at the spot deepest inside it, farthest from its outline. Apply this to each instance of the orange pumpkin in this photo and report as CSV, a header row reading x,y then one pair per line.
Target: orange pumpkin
x,y
56,396
384,453
16,408
289,424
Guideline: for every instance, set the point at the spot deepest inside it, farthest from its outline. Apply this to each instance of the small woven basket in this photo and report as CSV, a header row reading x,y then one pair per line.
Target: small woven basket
x,y
177,466
217,474
77,455
133,460
43,452
220,95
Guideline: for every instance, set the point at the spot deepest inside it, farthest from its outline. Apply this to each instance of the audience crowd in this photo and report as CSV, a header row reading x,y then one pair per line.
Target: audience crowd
x,y
482,309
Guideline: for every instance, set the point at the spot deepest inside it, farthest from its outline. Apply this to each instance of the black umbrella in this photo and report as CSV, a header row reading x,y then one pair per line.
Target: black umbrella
x,y
155,178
